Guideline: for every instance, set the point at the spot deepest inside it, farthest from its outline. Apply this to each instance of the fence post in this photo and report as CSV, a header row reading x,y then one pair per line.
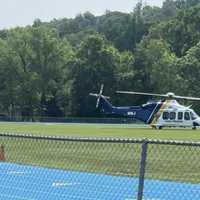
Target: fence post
x,y
142,170
2,154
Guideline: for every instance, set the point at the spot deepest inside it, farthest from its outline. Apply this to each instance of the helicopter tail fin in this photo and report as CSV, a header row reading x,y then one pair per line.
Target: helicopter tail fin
x,y
105,106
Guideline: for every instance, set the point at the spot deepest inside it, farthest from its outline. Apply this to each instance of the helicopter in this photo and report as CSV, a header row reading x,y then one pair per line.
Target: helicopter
x,y
158,114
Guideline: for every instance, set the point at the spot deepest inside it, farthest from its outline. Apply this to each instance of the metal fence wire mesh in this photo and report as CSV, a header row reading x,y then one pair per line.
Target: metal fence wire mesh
x,y
46,168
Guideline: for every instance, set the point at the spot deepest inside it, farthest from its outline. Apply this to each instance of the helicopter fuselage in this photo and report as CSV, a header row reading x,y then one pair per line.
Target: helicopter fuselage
x,y
159,114
166,113
172,114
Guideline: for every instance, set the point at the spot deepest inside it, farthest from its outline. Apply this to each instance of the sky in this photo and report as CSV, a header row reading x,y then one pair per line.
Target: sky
x,y
23,12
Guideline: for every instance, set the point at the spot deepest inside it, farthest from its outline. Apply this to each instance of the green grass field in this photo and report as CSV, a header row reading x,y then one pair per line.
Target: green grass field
x,y
165,162
100,130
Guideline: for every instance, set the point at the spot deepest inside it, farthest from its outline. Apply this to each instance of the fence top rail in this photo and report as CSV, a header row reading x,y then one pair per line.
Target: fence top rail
x,y
99,139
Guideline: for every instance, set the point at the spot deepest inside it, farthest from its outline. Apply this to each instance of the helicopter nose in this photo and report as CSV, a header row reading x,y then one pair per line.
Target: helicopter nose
x,y
197,122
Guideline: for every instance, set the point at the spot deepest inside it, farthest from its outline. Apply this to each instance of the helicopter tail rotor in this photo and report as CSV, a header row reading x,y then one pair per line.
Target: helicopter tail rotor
x,y
99,96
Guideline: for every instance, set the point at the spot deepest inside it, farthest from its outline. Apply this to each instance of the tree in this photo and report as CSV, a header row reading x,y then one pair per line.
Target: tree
x,y
190,71
155,67
50,57
96,63
10,79
119,29
189,67
42,58
169,9
181,33
125,77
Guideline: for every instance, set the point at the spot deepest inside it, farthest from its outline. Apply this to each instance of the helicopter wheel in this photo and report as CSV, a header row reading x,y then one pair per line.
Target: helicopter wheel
x,y
194,127
154,127
160,127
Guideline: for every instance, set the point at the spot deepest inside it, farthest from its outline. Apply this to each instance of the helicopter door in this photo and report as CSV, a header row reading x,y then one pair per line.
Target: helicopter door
x,y
172,118
187,119
180,118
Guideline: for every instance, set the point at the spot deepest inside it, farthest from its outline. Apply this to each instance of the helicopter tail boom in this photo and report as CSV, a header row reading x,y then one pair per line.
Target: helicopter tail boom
x,y
144,113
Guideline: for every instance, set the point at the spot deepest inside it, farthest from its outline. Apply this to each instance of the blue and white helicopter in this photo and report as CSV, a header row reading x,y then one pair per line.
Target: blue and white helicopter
x,y
164,113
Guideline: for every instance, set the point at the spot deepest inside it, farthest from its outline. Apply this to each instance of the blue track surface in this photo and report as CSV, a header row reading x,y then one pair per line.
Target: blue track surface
x,y
18,182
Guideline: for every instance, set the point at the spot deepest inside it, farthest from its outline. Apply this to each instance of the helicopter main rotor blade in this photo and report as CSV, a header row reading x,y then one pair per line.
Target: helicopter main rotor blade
x,y
142,93
187,98
169,95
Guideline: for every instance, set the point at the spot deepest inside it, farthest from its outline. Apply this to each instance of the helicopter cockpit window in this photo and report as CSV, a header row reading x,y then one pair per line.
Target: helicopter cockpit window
x,y
187,116
180,115
165,115
193,115
172,115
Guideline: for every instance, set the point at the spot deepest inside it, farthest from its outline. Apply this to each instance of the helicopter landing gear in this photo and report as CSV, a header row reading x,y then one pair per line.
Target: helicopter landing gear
x,y
157,127
194,128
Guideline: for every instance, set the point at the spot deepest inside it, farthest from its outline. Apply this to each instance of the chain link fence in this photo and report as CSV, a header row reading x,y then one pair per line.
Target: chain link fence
x,y
90,120
55,168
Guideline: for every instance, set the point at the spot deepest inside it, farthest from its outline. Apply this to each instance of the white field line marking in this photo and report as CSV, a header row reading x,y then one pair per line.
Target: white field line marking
x,y
17,172
64,184
34,181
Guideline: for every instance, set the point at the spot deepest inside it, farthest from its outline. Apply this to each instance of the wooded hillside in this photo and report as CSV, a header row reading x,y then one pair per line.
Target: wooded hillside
x,y
49,68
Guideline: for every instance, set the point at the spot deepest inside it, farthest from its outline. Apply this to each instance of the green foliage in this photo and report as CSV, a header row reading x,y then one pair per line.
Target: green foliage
x,y
118,28
96,63
182,32
48,69
189,66
9,77
154,68
39,58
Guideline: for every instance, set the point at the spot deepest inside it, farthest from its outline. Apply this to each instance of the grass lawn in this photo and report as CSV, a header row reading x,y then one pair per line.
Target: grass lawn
x,y
98,130
165,162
